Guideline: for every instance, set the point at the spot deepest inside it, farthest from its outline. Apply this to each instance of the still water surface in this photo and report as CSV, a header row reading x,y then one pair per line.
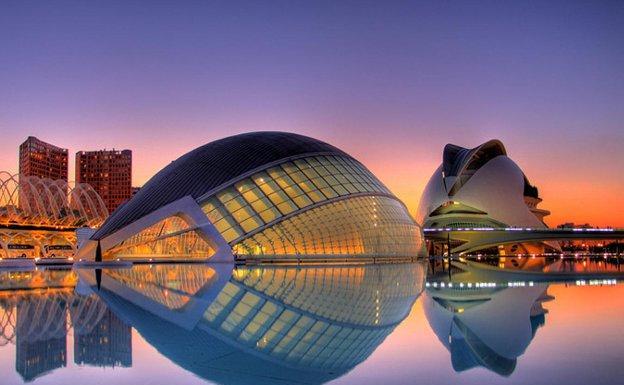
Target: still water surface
x,y
199,324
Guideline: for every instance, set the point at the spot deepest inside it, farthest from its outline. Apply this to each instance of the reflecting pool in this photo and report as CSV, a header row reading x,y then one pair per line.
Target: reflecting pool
x,y
351,324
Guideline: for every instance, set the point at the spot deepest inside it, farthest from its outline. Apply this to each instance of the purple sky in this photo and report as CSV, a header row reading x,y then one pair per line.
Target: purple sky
x,y
389,82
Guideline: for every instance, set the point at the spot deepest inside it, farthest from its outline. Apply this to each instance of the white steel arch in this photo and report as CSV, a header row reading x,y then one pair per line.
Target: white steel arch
x,y
30,200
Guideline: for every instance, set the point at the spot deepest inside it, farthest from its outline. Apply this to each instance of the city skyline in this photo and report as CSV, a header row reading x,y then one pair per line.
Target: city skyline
x,y
412,204
352,192
543,78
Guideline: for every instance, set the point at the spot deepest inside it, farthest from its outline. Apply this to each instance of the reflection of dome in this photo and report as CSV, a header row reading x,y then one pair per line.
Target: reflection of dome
x,y
486,327
263,325
268,194
479,187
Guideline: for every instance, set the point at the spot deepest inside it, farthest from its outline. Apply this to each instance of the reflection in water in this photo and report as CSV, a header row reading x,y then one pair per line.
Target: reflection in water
x,y
40,333
100,337
37,321
262,324
488,327
283,325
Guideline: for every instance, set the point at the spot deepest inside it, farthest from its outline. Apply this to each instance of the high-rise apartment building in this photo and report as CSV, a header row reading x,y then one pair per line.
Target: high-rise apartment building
x,y
38,158
109,172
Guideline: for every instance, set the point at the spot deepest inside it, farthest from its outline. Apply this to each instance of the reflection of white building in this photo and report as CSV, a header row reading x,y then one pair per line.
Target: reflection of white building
x,y
481,187
486,327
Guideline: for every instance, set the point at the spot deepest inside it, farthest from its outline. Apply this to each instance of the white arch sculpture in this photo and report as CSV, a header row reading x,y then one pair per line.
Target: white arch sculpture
x,y
30,200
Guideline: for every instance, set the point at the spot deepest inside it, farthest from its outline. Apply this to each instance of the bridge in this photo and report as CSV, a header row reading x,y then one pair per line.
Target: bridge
x,y
477,238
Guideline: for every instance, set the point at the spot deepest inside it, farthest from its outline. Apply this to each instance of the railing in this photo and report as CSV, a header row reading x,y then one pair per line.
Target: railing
x,y
529,229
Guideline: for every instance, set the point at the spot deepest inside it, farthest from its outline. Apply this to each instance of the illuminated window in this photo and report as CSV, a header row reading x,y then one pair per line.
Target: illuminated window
x,y
169,237
284,189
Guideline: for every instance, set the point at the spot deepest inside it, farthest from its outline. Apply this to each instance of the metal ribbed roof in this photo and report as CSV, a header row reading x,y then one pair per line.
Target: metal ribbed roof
x,y
210,166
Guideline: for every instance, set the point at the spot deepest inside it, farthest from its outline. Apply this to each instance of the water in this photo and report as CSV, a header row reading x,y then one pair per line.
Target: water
x,y
391,324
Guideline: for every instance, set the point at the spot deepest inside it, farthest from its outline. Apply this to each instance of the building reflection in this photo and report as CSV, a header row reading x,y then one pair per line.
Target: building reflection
x,y
38,321
486,327
105,342
40,335
262,325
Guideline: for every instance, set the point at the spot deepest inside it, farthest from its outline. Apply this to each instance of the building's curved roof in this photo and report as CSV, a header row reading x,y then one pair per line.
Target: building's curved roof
x,y
210,166
456,158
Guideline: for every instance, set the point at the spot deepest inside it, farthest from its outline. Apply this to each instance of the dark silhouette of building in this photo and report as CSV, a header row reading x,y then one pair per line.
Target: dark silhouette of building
x,y
109,343
109,172
41,159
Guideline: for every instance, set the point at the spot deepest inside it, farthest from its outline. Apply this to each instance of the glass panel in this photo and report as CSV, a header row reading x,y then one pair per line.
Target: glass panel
x,y
278,197
340,190
316,196
293,191
253,194
289,167
261,204
213,210
287,207
224,224
302,201
360,225
169,237
251,224
260,178
226,195
243,214
329,192
276,173
270,215
244,185
235,204
283,189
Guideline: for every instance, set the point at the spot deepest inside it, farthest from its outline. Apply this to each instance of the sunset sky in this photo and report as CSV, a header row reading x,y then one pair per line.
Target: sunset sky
x,y
390,82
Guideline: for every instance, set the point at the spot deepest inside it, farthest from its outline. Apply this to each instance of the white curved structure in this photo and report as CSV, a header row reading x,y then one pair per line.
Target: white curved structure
x,y
481,188
39,216
33,201
488,327
263,196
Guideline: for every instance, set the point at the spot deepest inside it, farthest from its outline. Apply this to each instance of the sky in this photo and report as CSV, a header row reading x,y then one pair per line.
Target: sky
x,y
390,82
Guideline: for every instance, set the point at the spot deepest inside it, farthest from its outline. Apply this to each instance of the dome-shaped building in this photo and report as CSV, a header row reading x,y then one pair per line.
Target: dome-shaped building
x,y
481,188
265,195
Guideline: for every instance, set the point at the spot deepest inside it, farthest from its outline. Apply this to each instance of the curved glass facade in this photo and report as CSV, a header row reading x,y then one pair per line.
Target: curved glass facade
x,y
363,225
304,201
171,236
278,191
321,205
